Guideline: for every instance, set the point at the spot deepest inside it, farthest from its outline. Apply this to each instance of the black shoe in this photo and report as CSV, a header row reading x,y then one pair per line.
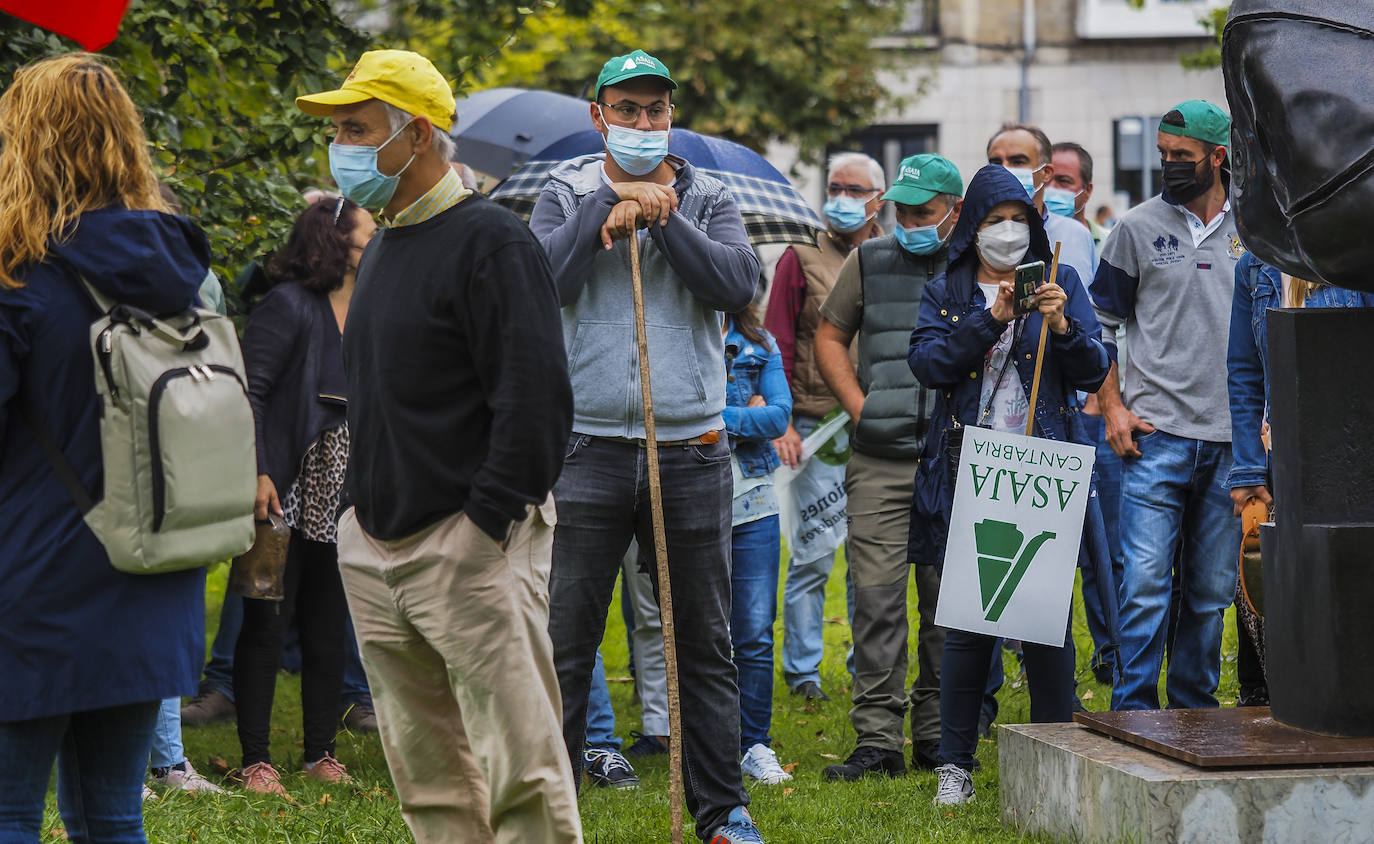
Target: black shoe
x,y
360,717
646,745
1253,696
867,760
925,755
207,708
608,769
1103,673
810,691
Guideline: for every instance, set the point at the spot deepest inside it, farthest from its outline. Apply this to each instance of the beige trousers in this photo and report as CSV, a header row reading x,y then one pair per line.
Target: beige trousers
x,y
453,633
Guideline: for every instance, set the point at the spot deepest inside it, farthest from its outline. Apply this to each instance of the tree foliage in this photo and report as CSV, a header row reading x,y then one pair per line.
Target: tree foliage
x,y
216,81
753,71
1210,57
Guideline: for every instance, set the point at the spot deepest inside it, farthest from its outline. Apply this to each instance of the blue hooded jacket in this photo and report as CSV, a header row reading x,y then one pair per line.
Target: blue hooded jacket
x,y
75,634
954,333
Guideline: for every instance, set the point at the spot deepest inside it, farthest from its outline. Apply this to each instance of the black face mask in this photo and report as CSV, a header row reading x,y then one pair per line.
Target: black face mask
x,y
1182,182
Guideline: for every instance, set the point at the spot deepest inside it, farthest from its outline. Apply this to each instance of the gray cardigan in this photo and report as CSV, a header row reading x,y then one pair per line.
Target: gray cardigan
x,y
698,264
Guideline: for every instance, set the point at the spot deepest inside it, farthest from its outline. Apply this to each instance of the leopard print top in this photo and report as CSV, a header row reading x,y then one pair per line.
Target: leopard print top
x,y
312,505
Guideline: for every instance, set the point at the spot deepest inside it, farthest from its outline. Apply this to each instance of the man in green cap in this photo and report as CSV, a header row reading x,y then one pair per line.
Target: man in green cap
x,y
1167,275
696,261
878,296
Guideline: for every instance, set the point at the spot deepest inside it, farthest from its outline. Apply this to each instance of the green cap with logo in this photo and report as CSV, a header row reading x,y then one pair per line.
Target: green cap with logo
x,y
1200,120
630,66
920,178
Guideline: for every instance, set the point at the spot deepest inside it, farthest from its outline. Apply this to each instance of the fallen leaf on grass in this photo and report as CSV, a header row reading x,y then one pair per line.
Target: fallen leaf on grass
x,y
829,756
882,804
218,765
801,723
787,791
59,833
1088,695
836,620
620,679
790,767
325,800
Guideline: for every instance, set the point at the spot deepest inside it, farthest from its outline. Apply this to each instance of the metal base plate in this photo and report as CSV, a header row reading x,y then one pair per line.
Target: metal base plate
x,y
1227,738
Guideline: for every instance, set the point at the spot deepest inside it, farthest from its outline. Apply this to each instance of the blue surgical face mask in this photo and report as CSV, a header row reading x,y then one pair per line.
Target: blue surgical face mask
x,y
1061,202
355,172
637,151
1026,177
845,214
921,240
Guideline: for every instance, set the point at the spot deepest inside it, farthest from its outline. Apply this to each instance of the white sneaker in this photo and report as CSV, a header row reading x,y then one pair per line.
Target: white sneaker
x,y
188,780
761,763
956,786
148,793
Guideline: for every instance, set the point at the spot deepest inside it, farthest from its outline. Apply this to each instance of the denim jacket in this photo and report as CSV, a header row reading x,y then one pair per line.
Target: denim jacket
x,y
752,370
1259,287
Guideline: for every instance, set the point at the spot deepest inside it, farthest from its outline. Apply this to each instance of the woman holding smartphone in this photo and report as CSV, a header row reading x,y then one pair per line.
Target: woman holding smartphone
x,y
970,345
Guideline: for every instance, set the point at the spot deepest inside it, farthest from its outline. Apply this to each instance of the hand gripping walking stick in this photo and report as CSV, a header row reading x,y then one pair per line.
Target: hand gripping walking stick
x,y
1040,353
665,592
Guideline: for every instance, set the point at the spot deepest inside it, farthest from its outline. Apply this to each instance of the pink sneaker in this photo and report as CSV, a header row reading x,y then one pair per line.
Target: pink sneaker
x,y
328,770
262,778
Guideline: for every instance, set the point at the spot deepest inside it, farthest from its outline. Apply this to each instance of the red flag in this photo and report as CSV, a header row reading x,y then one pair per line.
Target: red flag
x,y
90,23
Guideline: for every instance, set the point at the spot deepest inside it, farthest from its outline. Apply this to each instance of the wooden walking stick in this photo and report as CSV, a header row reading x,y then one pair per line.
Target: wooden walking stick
x,y
665,592
1040,353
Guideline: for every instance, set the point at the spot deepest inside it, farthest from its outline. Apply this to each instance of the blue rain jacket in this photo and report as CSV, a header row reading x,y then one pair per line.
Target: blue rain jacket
x,y
754,370
74,633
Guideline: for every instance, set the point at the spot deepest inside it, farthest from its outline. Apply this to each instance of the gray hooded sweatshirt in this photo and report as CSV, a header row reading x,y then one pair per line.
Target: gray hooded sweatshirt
x,y
697,265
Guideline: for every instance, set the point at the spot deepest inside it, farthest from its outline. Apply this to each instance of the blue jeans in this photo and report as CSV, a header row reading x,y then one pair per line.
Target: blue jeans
x,y
1108,477
1174,506
355,689
102,755
964,680
754,550
219,671
167,749
600,716
603,501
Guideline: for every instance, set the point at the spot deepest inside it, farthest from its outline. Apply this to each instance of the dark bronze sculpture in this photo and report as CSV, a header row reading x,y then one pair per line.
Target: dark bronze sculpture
x,y
1298,76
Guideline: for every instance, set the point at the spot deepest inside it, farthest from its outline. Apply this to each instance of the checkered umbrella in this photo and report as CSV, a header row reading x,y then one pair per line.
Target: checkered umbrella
x,y
773,211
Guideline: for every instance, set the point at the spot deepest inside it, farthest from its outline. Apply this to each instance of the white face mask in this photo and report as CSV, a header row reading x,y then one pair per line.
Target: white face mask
x,y
1003,245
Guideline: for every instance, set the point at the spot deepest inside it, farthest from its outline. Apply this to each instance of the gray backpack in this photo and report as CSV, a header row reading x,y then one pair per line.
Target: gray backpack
x,y
176,437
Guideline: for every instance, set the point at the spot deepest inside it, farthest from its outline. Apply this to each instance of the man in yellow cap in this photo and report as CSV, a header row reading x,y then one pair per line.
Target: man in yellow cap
x,y
458,422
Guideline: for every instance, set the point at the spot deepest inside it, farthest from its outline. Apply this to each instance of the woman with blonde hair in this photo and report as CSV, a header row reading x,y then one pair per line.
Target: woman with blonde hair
x,y
86,652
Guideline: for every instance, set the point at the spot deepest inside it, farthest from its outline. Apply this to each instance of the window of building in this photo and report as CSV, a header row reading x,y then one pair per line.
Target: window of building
x,y
1135,157
920,17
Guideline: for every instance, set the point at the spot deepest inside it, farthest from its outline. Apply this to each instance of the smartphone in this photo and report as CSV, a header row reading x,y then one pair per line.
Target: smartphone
x,y
1029,277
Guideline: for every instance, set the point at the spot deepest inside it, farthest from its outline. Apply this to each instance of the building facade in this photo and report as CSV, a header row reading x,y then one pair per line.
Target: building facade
x,y
1098,72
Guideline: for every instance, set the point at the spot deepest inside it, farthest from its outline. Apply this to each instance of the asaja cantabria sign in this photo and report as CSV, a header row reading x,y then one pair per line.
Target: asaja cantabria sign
x,y
1013,536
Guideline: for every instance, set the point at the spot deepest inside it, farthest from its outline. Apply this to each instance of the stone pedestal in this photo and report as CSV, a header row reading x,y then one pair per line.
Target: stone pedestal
x,y
1069,783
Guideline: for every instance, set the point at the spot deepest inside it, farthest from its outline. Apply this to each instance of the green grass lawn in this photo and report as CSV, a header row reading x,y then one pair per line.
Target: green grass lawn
x,y
802,811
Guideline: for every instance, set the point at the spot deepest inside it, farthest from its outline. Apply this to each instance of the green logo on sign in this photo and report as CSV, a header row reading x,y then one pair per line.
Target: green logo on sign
x,y
1000,566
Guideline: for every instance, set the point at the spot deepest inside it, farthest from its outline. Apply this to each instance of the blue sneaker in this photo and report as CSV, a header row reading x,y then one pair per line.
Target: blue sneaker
x,y
739,829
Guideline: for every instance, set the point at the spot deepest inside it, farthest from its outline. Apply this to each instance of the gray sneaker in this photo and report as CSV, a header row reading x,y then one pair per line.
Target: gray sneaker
x,y
955,788
360,717
187,780
207,708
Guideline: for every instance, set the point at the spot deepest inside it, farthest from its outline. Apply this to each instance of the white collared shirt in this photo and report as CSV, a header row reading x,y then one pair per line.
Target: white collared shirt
x,y
1200,230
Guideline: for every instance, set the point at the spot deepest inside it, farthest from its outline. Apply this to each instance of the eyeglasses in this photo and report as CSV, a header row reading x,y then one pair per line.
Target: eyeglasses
x,y
834,189
629,112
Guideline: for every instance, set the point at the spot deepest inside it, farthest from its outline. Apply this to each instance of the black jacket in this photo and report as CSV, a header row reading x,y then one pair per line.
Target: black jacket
x,y
294,357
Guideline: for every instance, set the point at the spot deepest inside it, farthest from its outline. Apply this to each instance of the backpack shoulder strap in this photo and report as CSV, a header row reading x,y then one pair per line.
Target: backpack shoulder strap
x,y
61,466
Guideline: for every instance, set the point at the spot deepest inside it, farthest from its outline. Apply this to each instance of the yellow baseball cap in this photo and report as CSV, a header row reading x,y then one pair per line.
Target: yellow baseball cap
x,y
406,80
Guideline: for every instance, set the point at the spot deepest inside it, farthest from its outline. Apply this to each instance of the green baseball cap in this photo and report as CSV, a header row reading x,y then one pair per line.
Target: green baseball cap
x,y
1200,120
630,66
920,178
